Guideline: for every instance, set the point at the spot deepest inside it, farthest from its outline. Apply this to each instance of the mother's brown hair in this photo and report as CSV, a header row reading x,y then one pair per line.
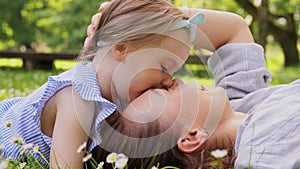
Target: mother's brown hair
x,y
115,127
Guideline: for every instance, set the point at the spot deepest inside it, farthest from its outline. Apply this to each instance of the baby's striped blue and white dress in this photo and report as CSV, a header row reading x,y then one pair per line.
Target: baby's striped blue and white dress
x,y
20,117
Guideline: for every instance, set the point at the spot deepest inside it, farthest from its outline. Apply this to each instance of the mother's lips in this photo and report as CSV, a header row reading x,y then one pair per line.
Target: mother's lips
x,y
203,88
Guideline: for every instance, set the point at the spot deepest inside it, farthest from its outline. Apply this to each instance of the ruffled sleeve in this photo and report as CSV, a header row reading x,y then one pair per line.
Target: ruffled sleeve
x,y
86,85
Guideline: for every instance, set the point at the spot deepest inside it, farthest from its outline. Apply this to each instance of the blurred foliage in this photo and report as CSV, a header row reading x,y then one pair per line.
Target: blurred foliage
x,y
279,8
60,25
271,21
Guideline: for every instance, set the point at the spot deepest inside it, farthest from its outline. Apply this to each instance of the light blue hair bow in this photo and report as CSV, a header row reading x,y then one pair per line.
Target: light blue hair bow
x,y
191,24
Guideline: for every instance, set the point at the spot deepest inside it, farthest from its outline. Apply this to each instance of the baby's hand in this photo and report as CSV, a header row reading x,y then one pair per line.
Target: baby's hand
x,y
91,29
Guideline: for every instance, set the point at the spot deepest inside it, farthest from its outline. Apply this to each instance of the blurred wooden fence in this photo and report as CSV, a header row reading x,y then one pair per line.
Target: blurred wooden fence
x,y
32,60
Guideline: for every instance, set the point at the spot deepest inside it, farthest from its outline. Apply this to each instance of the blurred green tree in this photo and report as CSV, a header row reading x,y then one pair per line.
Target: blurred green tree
x,y
15,27
59,24
65,29
279,18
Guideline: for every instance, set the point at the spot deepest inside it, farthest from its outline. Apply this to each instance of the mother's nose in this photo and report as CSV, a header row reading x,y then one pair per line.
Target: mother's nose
x,y
176,82
167,81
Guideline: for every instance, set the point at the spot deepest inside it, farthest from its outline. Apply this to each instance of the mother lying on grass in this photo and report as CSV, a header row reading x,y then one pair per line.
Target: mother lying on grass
x,y
258,125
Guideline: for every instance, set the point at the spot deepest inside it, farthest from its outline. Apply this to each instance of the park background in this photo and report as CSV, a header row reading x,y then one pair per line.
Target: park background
x,y
53,26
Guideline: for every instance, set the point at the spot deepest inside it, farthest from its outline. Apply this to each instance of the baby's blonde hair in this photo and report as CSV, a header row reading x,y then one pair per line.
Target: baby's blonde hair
x,y
138,21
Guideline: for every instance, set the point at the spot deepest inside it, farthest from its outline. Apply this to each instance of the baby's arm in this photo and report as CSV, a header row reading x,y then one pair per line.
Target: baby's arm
x,y
73,120
219,28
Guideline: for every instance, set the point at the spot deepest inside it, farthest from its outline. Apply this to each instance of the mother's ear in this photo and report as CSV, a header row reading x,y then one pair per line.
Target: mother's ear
x,y
119,51
192,141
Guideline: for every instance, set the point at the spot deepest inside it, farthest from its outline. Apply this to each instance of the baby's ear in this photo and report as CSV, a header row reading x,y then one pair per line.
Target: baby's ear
x,y
192,141
119,51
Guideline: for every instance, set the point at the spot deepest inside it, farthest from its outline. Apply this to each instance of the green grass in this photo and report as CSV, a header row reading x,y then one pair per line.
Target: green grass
x,y
15,81
281,75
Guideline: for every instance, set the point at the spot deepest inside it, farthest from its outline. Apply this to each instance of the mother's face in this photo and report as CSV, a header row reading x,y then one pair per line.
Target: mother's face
x,y
184,105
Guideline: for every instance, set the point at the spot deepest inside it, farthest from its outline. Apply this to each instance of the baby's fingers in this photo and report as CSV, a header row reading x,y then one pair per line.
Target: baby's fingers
x,y
90,30
95,21
103,5
87,44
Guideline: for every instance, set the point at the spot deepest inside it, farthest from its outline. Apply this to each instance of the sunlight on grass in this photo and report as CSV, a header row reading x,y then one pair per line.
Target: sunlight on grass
x,y
275,61
11,62
17,82
274,58
59,64
196,74
64,64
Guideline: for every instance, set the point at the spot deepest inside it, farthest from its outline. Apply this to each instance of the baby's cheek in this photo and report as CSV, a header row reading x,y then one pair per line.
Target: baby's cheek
x,y
143,82
137,89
